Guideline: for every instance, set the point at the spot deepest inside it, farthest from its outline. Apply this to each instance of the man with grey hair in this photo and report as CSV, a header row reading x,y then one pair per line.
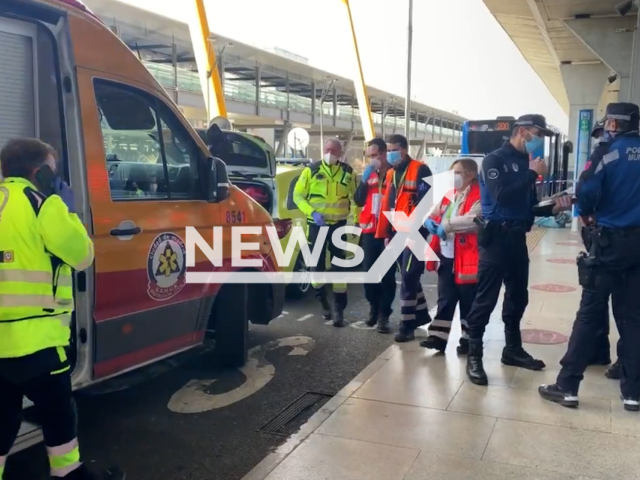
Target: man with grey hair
x,y
324,193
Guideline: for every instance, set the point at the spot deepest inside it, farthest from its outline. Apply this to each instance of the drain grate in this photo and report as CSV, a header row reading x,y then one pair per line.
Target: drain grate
x,y
294,415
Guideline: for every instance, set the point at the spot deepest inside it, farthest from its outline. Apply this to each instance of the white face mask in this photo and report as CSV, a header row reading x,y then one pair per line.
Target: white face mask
x,y
458,181
376,163
330,158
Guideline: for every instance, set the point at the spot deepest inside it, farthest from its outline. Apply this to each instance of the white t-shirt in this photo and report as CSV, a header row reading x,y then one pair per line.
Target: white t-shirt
x,y
446,246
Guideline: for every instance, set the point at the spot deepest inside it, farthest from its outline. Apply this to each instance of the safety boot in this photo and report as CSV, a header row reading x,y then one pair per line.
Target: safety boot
x,y
383,324
85,473
515,356
463,347
554,393
475,368
434,343
614,372
338,321
373,316
326,308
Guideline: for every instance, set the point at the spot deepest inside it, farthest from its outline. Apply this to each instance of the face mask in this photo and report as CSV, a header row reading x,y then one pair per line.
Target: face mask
x,y
330,158
536,143
458,181
607,137
394,157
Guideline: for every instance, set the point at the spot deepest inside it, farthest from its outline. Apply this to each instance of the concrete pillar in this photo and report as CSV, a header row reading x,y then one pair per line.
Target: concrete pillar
x,y
584,84
313,103
383,115
258,88
611,40
335,106
634,88
282,141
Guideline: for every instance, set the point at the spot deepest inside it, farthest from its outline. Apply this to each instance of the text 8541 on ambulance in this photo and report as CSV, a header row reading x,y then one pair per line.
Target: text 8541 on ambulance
x,y
140,175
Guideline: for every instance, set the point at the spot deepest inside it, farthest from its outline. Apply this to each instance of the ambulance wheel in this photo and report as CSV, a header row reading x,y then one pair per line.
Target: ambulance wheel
x,y
298,291
230,324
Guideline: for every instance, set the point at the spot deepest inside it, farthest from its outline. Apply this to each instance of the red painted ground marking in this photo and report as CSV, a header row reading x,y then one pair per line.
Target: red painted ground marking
x,y
554,288
542,337
567,261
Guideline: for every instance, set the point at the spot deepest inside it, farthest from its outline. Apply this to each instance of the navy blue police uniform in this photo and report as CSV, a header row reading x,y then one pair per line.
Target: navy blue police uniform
x,y
508,199
608,191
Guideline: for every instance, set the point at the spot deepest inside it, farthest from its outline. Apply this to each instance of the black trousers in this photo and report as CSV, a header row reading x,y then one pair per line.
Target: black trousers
x,y
339,289
379,295
504,259
602,348
33,376
413,303
449,295
590,321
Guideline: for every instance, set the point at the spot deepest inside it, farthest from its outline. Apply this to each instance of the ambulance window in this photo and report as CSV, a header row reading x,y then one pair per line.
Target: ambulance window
x,y
149,153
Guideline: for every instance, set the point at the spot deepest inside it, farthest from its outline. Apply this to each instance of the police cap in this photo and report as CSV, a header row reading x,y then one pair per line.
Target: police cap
x,y
598,128
624,111
534,120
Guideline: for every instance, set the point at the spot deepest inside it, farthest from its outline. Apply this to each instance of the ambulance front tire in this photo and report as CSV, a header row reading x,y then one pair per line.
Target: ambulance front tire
x,y
230,323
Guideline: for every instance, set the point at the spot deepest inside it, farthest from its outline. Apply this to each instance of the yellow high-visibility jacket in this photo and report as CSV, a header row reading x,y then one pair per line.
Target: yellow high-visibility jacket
x,y
40,243
328,190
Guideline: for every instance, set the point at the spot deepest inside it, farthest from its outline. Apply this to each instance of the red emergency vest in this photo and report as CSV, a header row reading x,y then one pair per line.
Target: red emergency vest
x,y
368,218
465,247
406,186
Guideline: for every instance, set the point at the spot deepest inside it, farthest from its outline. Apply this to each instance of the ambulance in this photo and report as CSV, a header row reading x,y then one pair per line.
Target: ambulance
x,y
141,175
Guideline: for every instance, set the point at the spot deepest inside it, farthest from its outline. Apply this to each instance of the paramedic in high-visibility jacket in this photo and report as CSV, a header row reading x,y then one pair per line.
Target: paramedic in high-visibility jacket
x,y
405,189
369,196
41,241
324,193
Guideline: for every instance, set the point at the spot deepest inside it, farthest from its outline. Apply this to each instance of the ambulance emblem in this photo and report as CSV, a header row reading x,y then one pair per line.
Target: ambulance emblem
x,y
166,266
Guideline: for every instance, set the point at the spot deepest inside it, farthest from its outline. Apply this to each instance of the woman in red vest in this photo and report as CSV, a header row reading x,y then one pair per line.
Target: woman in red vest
x,y
455,240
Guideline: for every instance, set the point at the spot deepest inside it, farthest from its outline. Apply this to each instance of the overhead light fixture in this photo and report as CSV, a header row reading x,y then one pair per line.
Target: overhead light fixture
x,y
623,8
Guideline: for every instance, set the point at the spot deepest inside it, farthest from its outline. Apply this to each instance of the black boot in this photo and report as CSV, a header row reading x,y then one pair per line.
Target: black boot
x,y
84,473
373,316
338,321
434,343
475,369
326,308
614,372
553,393
463,348
383,324
515,356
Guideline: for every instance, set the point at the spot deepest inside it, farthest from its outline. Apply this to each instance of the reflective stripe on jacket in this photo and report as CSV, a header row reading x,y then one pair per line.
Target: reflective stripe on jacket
x,y
40,243
465,247
326,189
368,218
405,195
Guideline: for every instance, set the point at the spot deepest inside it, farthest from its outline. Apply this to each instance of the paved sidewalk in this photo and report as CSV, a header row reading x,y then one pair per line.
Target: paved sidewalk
x,y
412,415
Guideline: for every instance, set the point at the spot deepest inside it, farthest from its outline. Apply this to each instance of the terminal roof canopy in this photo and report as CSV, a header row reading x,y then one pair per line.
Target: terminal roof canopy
x,y
152,36
538,29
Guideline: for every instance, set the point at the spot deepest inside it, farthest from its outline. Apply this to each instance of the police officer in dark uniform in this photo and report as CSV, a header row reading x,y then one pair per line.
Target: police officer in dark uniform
x,y
608,191
602,349
508,197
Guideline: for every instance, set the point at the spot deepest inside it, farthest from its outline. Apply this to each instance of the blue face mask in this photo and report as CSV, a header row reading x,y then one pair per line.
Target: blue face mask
x,y
607,137
394,157
536,143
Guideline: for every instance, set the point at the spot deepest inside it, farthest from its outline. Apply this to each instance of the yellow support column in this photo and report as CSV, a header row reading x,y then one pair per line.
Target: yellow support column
x,y
360,87
206,61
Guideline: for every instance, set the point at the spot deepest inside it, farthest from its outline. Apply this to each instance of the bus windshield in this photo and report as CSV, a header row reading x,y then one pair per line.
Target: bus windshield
x,y
482,137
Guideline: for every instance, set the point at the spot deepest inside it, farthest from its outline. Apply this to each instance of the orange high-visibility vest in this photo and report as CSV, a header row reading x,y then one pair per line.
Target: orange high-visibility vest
x,y
406,193
368,218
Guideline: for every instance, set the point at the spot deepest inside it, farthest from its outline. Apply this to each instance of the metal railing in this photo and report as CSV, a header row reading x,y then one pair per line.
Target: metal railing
x,y
240,91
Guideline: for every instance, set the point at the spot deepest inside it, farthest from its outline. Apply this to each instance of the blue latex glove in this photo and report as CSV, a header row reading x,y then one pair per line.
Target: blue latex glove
x,y
64,191
441,233
367,172
318,219
432,226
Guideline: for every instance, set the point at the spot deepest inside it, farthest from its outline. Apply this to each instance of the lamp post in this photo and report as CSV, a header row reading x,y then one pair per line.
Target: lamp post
x,y
407,102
